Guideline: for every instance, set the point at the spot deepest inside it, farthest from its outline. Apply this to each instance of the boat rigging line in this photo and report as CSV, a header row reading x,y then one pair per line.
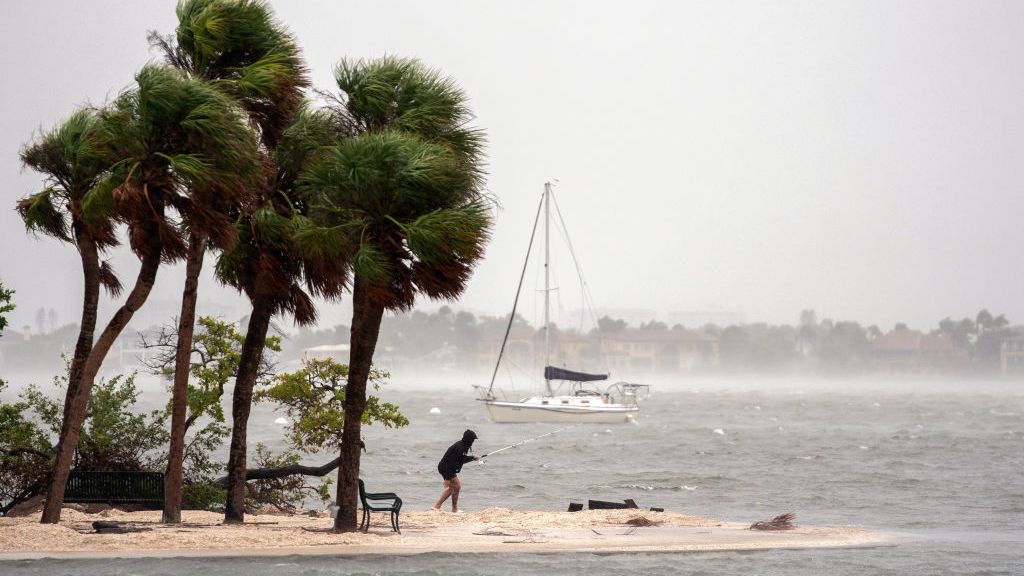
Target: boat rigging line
x,y
515,304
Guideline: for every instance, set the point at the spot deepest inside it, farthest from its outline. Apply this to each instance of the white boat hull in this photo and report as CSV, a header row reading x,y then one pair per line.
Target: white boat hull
x,y
554,411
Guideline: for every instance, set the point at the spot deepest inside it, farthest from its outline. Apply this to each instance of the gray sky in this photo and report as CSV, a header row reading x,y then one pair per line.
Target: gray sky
x,y
860,158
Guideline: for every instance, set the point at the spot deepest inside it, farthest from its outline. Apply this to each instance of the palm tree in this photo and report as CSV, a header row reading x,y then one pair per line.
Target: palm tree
x,y
73,162
398,200
238,46
174,145
267,266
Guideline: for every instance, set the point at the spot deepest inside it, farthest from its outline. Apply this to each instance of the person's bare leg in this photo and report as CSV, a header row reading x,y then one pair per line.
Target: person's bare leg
x,y
444,495
456,486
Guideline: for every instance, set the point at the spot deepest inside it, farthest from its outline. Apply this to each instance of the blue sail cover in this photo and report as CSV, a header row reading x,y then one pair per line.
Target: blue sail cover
x,y
553,373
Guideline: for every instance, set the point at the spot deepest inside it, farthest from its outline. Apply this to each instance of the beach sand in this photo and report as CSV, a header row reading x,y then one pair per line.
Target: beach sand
x,y
490,530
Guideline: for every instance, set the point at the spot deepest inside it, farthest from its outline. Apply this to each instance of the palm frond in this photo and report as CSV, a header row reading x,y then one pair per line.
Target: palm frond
x,y
182,144
109,280
239,45
450,234
316,242
43,216
370,263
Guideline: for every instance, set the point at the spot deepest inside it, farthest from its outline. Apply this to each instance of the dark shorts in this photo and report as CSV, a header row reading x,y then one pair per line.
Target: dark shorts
x,y
446,474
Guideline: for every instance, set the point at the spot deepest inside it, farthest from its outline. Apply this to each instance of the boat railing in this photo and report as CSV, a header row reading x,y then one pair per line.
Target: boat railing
x,y
628,392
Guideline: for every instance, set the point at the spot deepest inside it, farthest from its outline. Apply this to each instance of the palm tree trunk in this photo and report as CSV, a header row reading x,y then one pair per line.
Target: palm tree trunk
x,y
74,410
248,370
182,369
90,301
366,319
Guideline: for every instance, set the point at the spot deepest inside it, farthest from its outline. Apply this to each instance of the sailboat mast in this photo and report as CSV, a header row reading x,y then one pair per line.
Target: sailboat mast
x,y
547,283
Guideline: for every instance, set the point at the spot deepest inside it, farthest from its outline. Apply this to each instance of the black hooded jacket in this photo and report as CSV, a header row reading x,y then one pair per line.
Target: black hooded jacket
x,y
456,455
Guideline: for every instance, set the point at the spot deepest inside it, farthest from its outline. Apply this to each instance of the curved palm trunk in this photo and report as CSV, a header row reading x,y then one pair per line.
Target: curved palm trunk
x,y
366,319
78,394
248,369
182,369
90,301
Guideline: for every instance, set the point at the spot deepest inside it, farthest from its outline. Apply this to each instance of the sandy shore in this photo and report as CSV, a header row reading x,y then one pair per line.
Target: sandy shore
x,y
491,530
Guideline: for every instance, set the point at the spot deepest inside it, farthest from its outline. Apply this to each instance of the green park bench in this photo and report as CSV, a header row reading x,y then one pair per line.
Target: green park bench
x,y
394,507
113,488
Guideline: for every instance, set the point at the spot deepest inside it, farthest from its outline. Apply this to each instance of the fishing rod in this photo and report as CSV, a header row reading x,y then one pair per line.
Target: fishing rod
x,y
524,442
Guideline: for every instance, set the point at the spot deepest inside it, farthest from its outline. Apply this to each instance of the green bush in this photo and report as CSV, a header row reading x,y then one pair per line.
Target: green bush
x,y
203,497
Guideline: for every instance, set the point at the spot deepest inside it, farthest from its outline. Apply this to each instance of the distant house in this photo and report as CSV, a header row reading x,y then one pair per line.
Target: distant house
x,y
1011,355
913,351
674,350
623,352
525,348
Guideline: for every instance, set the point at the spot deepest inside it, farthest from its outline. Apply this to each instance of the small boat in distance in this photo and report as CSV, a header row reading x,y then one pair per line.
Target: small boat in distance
x,y
581,402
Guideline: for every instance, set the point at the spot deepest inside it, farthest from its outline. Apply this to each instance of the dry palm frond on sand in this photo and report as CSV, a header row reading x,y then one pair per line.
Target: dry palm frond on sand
x,y
642,521
780,522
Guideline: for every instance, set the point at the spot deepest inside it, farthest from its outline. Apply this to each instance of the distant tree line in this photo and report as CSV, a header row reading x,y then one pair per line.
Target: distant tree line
x,y
824,346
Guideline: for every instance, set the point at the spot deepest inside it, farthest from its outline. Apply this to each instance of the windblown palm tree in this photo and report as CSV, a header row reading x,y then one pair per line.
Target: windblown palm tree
x,y
267,266
239,47
175,146
398,200
73,161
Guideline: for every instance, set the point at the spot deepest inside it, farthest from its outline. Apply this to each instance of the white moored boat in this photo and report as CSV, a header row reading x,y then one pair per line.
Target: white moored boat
x,y
615,404
599,409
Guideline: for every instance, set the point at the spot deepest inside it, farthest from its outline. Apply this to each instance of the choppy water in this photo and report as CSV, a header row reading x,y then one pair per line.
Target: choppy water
x,y
939,463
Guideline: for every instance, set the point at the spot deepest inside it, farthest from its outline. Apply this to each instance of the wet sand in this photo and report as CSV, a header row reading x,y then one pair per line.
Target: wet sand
x,y
490,530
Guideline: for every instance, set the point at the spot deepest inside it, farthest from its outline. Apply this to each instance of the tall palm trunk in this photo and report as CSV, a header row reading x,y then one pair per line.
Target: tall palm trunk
x,y
366,318
90,302
89,254
75,408
241,403
182,369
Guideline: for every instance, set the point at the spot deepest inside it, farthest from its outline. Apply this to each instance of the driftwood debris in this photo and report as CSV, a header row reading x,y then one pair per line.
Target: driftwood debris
x,y
283,471
604,505
642,521
494,531
780,522
108,527
626,504
288,470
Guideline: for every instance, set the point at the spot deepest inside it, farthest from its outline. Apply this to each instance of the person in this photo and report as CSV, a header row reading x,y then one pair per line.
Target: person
x,y
450,466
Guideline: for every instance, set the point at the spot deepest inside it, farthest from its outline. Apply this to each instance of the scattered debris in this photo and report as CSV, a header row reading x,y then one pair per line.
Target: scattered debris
x,y
629,531
108,527
318,530
529,537
780,522
494,531
603,505
642,521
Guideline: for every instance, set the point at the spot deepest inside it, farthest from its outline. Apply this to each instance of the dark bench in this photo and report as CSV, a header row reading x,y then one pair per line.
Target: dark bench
x,y
366,498
145,488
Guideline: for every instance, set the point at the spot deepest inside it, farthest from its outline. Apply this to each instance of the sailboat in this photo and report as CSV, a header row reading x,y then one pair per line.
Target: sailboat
x,y
582,401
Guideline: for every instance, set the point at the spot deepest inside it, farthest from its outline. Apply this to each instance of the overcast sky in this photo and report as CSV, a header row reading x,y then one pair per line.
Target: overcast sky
x,y
865,159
